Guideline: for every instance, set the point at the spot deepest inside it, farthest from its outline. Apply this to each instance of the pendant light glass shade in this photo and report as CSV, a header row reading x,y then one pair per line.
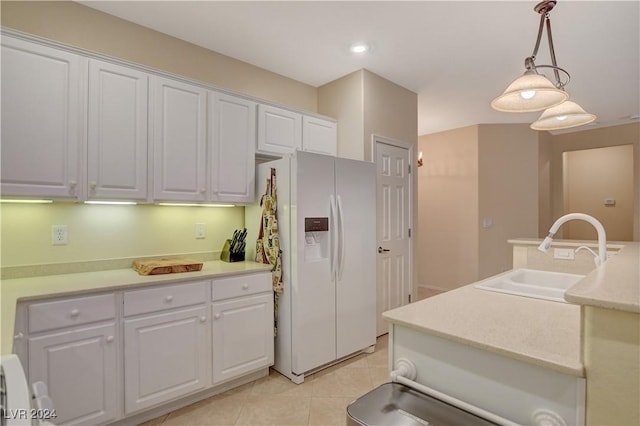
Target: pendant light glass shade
x,y
564,116
531,92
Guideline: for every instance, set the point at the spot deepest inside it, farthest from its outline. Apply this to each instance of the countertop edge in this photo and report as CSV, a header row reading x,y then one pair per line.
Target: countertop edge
x,y
574,370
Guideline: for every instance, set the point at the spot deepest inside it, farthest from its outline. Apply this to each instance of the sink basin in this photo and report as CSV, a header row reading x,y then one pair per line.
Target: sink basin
x,y
532,283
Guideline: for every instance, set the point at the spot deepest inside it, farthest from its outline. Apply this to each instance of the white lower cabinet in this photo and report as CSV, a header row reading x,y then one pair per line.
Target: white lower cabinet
x,y
242,336
114,355
166,356
79,367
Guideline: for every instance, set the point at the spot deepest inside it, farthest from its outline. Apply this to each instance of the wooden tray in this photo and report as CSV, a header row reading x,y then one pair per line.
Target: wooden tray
x,y
169,265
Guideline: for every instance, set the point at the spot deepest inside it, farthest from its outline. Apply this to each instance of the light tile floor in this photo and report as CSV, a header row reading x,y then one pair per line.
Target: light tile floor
x,y
274,400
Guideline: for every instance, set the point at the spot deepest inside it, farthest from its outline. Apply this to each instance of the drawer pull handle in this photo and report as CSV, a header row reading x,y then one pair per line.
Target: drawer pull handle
x,y
18,336
245,286
75,313
168,299
217,316
203,318
109,339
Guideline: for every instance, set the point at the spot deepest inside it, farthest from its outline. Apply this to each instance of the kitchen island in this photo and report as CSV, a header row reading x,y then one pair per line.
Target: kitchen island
x,y
470,343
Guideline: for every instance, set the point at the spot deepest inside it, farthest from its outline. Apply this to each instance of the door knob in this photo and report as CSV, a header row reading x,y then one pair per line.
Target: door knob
x,y
382,250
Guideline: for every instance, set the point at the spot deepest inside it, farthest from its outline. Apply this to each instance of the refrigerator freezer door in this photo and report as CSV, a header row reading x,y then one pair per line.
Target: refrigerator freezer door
x,y
313,315
356,286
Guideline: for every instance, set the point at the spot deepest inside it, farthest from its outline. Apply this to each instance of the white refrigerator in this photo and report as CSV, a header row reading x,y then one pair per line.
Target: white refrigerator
x,y
327,232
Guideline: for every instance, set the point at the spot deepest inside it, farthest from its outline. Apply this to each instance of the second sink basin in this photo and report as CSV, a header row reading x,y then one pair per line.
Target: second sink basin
x,y
532,283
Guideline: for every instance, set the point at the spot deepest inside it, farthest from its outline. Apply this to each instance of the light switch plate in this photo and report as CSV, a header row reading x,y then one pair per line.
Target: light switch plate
x,y
564,253
200,233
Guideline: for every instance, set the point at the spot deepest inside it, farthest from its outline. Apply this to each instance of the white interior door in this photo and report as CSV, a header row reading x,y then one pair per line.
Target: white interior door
x,y
393,264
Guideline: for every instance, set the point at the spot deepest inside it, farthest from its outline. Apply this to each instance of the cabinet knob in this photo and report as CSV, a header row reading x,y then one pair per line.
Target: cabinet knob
x,y
110,339
18,336
168,299
203,190
217,316
245,286
203,319
74,313
72,183
93,184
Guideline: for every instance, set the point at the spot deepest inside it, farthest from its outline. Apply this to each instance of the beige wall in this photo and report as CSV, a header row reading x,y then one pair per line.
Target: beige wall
x,y
508,192
592,175
448,232
595,138
472,175
389,110
343,99
366,104
86,28
523,202
545,153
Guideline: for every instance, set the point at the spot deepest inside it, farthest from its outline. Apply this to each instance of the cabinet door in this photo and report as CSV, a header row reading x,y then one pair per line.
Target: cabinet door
x,y
319,136
242,336
41,120
179,141
232,127
79,368
166,356
279,131
117,143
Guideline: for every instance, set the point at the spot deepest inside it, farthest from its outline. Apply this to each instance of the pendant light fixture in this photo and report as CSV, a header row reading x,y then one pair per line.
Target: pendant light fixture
x,y
535,92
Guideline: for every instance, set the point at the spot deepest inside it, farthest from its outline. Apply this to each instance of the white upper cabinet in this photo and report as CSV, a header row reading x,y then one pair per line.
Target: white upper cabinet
x,y
180,124
279,131
117,132
319,136
42,107
232,127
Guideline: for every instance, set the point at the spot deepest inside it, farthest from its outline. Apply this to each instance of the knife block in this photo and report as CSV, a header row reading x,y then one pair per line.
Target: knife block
x,y
227,256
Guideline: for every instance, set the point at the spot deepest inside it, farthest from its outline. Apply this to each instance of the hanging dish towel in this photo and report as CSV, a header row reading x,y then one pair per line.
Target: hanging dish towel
x,y
268,245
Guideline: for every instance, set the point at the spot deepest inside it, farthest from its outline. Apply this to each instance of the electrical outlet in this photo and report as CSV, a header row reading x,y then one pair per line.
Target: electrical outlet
x,y
59,235
200,230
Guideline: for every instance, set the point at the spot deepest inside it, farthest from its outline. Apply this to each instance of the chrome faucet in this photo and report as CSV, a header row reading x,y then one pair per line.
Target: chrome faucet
x,y
602,236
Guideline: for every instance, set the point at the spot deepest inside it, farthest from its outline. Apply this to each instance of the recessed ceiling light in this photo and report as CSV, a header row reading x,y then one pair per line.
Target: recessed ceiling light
x,y
359,48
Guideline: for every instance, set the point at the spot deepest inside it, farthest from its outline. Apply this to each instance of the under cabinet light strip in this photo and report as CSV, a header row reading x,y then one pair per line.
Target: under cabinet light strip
x,y
17,201
117,203
195,205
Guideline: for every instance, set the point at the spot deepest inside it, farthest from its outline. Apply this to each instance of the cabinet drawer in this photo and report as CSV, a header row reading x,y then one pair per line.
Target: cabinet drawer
x,y
244,285
70,312
165,297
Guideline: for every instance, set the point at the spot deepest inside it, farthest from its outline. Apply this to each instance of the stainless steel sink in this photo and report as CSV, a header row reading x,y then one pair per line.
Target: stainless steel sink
x,y
532,283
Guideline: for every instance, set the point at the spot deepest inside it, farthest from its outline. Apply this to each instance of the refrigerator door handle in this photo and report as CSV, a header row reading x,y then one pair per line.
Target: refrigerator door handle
x,y
333,236
341,247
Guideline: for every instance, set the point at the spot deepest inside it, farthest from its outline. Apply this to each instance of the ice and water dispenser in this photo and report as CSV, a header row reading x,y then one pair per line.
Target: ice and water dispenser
x,y
316,238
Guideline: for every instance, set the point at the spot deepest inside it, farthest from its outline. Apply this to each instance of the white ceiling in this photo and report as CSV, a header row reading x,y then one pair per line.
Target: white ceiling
x,y
456,55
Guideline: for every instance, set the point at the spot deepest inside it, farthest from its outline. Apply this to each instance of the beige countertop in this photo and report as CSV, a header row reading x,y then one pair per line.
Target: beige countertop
x,y
536,331
23,289
614,285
